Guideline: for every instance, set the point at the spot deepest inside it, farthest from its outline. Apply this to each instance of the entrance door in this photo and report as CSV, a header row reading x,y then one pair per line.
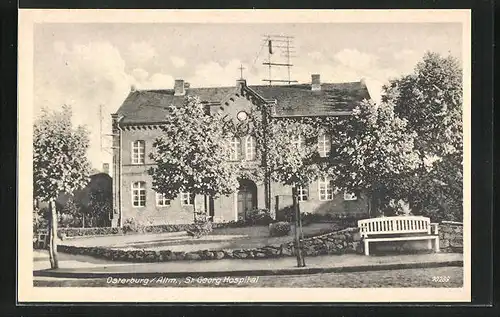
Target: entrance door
x,y
247,198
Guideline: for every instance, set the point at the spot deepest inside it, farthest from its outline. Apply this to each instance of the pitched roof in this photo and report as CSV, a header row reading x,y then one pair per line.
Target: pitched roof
x,y
144,106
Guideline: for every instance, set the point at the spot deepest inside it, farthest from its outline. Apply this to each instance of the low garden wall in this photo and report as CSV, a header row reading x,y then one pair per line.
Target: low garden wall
x,y
339,224
82,232
338,242
451,236
344,241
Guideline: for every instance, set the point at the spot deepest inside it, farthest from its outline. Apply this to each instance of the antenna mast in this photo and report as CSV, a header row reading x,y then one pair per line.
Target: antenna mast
x,y
100,127
284,44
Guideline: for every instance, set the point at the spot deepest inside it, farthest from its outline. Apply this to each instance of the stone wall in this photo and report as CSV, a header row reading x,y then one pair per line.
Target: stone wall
x,y
451,237
340,242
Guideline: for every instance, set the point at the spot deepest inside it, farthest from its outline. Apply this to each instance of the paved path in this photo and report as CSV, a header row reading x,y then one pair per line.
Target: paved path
x,y
88,267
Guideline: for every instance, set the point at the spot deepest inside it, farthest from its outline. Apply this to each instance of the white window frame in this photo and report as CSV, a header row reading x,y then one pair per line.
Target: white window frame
x,y
161,201
325,190
297,140
250,148
303,193
350,196
139,157
235,149
137,188
324,145
186,197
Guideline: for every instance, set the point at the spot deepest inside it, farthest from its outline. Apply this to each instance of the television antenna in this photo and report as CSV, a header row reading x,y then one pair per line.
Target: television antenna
x,y
283,44
102,135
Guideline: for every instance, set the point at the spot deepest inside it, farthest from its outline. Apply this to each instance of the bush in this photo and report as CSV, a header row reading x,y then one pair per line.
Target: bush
x,y
200,228
69,221
258,217
279,229
132,225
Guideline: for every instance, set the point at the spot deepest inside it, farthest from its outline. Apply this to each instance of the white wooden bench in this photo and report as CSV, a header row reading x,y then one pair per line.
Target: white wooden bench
x,y
398,228
41,238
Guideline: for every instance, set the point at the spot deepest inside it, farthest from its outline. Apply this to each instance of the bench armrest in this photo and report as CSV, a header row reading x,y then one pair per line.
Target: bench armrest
x,y
434,228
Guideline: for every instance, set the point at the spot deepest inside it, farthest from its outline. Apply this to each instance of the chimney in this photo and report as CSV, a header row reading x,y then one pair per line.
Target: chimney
x,y
179,89
105,168
315,82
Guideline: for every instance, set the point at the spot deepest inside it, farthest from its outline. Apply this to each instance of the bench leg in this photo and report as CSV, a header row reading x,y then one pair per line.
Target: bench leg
x,y
436,244
367,251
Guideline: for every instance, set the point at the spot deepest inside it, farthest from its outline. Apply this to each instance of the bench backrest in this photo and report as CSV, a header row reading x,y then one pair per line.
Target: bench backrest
x,y
394,225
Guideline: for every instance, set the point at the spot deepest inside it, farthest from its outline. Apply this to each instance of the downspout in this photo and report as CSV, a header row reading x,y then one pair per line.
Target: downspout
x,y
120,217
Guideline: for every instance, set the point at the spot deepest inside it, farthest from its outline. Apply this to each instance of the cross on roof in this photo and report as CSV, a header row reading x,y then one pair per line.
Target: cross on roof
x,y
241,68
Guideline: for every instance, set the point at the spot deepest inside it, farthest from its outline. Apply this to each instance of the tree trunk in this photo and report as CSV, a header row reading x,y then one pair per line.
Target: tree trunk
x,y
83,220
369,203
266,193
54,262
375,203
194,207
298,250
301,237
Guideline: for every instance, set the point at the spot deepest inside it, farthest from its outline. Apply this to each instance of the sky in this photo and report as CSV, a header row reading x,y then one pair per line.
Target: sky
x,y
87,65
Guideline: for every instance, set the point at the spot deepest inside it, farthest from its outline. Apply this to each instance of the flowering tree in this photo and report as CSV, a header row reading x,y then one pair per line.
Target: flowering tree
x,y
293,161
60,164
430,100
371,152
193,153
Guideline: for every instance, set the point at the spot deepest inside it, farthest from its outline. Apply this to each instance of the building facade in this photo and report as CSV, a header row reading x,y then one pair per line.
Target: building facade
x,y
137,122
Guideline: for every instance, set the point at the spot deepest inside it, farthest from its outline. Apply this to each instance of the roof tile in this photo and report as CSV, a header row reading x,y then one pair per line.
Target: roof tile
x,y
147,106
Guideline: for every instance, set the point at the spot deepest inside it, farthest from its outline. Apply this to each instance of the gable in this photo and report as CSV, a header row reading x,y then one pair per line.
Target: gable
x,y
236,103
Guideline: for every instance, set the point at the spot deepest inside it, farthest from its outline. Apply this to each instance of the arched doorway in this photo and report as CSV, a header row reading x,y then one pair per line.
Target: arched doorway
x,y
246,197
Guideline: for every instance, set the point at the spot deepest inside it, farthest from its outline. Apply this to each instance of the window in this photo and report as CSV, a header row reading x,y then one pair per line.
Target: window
x,y
138,152
187,199
298,141
350,196
235,149
325,189
139,194
250,149
324,145
161,201
303,193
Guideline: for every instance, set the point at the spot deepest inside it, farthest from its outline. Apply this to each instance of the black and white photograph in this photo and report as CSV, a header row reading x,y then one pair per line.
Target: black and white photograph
x,y
325,154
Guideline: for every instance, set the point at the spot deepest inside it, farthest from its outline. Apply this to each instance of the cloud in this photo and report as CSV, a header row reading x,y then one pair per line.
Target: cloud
x,y
316,56
140,74
355,59
178,61
214,74
85,77
345,66
407,59
140,52
157,81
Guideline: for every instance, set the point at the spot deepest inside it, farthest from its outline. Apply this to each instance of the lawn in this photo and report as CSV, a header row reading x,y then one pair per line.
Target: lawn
x,y
222,238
